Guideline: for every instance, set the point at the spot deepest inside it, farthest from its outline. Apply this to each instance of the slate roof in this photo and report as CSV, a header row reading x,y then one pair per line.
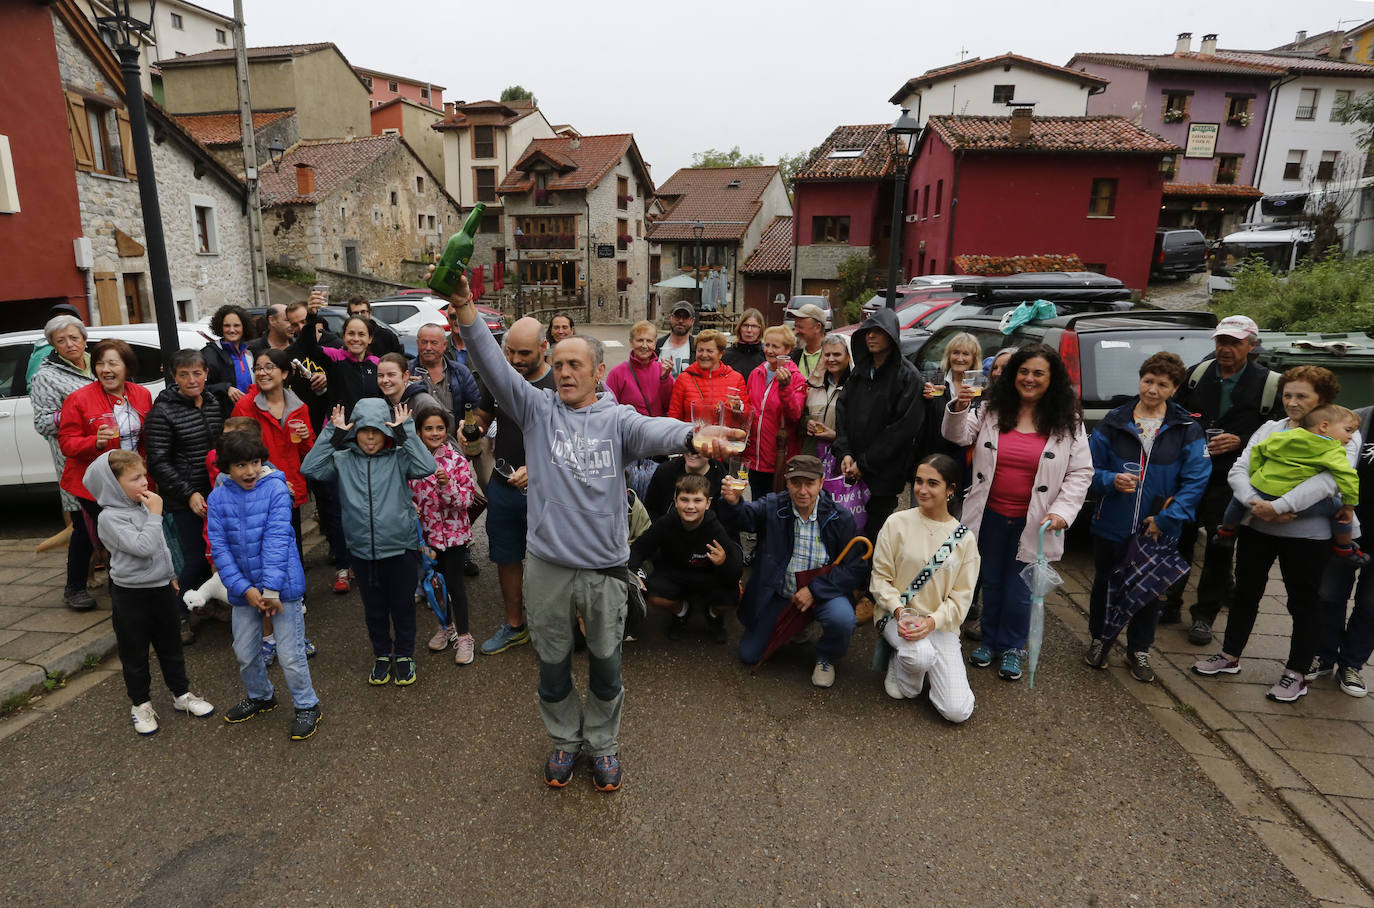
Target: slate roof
x,y
1182,62
579,162
335,162
1114,135
223,128
1212,190
773,254
874,163
704,194
931,76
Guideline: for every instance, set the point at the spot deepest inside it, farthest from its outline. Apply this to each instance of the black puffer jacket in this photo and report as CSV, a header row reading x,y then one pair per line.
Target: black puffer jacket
x,y
177,437
879,411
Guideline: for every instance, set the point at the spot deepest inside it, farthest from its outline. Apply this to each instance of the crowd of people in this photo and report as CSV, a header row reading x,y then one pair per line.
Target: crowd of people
x,y
606,492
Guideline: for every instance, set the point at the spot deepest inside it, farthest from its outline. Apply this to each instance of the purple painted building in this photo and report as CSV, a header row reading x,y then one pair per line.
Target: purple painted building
x,y
1211,106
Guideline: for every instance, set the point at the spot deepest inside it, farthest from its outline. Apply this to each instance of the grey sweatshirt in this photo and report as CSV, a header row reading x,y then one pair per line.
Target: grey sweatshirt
x,y
575,460
139,557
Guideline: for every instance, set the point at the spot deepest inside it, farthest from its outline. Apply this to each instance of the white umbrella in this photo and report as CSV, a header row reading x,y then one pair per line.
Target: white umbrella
x,y
679,282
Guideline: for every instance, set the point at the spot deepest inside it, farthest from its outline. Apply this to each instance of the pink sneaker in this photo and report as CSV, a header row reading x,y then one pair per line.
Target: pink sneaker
x,y
463,649
439,642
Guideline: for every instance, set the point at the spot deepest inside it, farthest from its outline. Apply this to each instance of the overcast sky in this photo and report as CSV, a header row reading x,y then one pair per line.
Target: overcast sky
x,y
771,77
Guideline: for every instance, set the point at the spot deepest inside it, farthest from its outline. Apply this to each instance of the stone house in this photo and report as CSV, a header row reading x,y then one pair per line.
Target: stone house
x,y
222,134
983,87
574,226
364,207
733,205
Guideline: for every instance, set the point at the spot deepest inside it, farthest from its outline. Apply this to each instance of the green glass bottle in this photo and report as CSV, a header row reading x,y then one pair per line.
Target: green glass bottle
x,y
457,253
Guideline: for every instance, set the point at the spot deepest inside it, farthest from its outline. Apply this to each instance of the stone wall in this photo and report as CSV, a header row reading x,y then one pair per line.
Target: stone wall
x,y
821,262
343,285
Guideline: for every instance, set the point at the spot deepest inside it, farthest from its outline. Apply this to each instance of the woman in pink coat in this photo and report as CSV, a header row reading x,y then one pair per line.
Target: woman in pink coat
x,y
1031,466
777,395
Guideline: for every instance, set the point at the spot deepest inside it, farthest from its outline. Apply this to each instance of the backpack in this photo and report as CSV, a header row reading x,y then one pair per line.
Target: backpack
x,y
1271,384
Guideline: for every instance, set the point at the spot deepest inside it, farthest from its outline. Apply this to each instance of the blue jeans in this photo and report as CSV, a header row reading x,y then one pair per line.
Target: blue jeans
x,y
1006,598
288,626
1347,643
837,626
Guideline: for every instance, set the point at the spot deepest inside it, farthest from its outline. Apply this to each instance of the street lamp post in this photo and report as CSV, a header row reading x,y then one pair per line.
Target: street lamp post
x,y
902,136
126,33
519,275
698,230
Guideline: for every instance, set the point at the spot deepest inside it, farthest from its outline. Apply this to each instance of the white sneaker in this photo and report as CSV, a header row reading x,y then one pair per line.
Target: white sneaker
x,y
190,703
823,675
145,719
890,685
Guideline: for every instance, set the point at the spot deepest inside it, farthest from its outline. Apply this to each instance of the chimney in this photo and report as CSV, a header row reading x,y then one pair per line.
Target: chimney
x,y
1209,45
1333,50
574,143
1185,43
448,109
1302,36
1020,125
350,134
305,179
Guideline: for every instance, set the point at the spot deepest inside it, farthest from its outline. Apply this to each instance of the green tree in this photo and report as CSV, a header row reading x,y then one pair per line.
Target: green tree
x,y
1360,111
732,158
789,164
856,286
1335,294
519,93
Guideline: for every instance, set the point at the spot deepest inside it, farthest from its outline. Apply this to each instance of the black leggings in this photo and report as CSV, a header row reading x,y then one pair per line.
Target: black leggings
x,y
451,563
142,617
79,552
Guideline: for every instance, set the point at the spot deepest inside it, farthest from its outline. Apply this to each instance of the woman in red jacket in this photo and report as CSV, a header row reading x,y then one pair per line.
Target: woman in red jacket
x,y
285,423
108,413
707,380
777,395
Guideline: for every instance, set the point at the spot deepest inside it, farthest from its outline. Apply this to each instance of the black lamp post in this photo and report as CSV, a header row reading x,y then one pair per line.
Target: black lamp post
x,y
698,230
902,136
126,33
277,152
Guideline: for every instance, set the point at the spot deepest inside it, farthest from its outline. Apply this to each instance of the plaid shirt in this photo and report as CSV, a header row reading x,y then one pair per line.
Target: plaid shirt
x,y
807,549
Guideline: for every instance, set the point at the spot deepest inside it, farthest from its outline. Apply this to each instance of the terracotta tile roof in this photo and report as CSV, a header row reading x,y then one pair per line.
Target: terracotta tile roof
x,y
704,194
1185,62
1115,135
931,76
223,129
394,78
335,163
835,159
273,52
511,111
773,254
578,162
1211,190
1302,65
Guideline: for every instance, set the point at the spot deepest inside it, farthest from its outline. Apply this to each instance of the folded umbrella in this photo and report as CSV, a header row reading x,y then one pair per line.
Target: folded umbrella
x,y
792,619
1152,565
432,579
1040,577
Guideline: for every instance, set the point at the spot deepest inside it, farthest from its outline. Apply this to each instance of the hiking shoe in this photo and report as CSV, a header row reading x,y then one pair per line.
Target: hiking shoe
x,y
981,656
381,671
341,582
1139,664
1200,634
606,774
303,726
1350,681
823,675
403,670
558,769
1096,656
504,638
715,627
1290,686
463,646
188,636
144,718
269,653
470,568
309,649
1216,664
1320,667
890,685
678,628
1010,669
247,708
190,703
78,600
439,642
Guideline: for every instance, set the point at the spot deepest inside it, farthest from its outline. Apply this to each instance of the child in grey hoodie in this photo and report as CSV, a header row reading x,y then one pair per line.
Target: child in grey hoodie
x,y
142,597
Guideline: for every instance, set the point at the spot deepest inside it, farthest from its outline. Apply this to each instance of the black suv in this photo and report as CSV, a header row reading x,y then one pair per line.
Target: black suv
x,y
1179,253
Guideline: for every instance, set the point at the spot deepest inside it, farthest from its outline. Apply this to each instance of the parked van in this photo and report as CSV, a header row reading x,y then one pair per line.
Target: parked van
x,y
1281,249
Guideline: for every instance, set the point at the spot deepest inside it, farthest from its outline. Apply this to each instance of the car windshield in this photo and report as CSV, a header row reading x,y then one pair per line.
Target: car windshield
x,y
1229,256
1111,360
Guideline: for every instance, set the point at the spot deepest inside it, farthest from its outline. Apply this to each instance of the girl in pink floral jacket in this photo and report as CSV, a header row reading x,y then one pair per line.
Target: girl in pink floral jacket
x,y
442,500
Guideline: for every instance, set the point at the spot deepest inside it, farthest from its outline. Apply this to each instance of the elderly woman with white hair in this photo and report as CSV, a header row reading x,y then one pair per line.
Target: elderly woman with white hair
x,y
63,371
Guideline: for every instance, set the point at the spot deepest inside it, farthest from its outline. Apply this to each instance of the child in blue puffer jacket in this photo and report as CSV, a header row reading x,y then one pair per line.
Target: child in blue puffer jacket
x,y
254,550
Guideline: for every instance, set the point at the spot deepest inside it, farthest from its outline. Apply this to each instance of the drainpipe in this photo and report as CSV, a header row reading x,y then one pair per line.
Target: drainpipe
x,y
1268,130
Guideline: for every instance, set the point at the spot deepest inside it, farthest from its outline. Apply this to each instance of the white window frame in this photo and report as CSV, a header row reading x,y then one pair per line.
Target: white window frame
x,y
178,22
221,36
212,224
9,188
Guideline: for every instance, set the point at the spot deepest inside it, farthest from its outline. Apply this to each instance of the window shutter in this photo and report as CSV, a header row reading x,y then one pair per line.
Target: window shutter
x,y
80,131
126,145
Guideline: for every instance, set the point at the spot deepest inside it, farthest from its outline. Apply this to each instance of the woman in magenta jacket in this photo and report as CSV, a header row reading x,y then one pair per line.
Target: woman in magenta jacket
x,y
642,381
108,413
777,395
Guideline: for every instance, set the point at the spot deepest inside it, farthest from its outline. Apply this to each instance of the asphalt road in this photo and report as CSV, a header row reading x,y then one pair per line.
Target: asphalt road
x,y
741,788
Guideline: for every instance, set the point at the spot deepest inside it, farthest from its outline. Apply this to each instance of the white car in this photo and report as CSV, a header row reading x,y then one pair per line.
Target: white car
x,y
789,315
25,459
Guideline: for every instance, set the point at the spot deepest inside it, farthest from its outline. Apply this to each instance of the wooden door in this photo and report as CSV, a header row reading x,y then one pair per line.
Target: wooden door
x,y
107,298
133,299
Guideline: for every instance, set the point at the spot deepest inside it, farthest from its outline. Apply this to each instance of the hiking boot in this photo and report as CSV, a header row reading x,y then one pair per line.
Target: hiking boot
x,y
1290,686
558,769
1216,664
247,708
188,636
470,568
981,656
144,718
1200,634
342,583
1139,664
823,675
715,627
678,628
1320,667
1096,655
504,638
1350,681
303,726
440,641
269,653
78,600
1010,669
606,774
381,671
190,703
403,670
463,647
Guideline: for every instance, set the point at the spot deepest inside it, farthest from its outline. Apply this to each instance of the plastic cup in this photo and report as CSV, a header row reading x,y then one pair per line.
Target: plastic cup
x,y
741,420
1133,468
977,381
936,377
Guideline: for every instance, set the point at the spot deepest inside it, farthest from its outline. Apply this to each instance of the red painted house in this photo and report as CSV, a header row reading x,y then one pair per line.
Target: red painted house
x,y
1027,185
383,87
38,226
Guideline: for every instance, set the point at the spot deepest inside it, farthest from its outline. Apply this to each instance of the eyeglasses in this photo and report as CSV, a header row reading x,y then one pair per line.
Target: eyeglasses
x,y
257,369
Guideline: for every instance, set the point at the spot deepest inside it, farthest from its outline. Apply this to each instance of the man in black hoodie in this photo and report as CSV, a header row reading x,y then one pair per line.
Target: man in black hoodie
x,y
878,415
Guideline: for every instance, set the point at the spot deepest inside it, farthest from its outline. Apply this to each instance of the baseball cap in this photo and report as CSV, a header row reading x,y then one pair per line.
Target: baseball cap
x,y
805,466
1241,327
684,306
810,310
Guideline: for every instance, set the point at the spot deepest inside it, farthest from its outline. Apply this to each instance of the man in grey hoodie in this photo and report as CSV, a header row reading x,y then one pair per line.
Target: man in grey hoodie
x,y
577,442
